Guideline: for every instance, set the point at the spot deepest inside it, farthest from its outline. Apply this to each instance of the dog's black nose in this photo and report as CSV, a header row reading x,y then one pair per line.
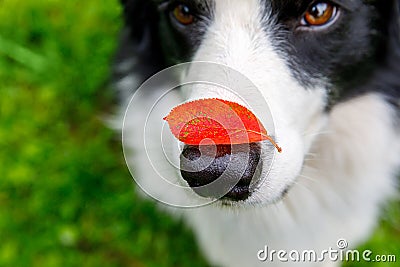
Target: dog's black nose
x,y
234,165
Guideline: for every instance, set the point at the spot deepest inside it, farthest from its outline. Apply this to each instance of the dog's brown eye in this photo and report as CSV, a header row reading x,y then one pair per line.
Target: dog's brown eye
x,y
183,14
319,14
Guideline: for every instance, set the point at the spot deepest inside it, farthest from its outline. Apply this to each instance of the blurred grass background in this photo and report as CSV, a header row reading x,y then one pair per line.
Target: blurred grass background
x,y
66,197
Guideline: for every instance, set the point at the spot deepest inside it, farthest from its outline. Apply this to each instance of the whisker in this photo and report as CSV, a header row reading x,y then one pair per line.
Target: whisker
x,y
317,133
309,178
303,186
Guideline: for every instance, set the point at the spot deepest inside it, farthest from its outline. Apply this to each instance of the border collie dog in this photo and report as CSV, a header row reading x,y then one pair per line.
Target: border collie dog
x,y
329,72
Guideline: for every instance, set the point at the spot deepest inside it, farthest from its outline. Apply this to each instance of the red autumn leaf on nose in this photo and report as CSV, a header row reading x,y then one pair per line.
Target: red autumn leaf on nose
x,y
215,120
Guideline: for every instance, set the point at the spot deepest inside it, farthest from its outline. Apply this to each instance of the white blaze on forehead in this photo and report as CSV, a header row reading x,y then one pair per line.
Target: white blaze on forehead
x,y
232,39
238,31
234,34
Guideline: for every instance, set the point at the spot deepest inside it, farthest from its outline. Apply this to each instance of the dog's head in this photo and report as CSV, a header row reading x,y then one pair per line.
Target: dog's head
x,y
303,56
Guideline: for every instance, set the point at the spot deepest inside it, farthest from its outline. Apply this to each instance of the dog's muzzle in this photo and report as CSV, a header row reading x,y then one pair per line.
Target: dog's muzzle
x,y
221,171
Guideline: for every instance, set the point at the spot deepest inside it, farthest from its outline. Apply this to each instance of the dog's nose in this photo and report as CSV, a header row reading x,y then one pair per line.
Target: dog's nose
x,y
235,165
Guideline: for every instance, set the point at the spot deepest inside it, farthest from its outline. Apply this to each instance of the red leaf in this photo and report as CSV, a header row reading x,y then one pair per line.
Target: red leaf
x,y
215,120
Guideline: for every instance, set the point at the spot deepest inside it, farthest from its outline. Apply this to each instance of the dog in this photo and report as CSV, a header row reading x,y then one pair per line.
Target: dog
x,y
329,73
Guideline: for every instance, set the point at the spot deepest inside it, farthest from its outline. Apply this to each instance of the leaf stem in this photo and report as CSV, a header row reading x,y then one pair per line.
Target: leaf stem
x,y
269,138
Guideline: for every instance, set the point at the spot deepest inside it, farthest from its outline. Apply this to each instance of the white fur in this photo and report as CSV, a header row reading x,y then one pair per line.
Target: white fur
x,y
340,166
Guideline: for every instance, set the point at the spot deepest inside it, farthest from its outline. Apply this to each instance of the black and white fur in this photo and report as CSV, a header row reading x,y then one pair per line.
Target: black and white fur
x,y
334,93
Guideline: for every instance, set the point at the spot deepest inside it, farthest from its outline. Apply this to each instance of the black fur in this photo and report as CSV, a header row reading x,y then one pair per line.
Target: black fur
x,y
139,51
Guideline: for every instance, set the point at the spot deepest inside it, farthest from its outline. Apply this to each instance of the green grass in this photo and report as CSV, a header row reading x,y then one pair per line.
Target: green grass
x,y
66,197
